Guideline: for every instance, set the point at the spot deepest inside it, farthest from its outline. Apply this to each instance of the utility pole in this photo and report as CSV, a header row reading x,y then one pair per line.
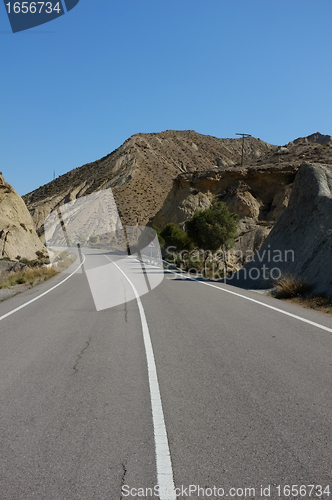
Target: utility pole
x,y
243,136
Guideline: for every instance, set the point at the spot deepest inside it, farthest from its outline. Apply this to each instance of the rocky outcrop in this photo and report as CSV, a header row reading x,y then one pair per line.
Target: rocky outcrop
x,y
280,202
244,204
251,192
18,237
300,243
257,194
316,138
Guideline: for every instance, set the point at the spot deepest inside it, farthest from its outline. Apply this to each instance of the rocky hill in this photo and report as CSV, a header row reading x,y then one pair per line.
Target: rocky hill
x,y
18,237
141,172
300,243
164,177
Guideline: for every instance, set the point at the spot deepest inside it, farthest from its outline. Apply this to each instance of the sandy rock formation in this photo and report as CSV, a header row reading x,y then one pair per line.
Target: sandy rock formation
x,y
257,194
280,202
249,191
244,204
300,243
18,235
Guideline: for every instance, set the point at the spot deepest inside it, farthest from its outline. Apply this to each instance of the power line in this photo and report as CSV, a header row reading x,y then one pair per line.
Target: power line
x,y
243,136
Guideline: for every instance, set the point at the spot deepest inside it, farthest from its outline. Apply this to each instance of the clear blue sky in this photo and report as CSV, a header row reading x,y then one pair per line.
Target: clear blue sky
x,y
76,88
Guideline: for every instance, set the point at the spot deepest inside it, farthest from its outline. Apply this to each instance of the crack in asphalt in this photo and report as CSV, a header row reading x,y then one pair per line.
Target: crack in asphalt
x,y
125,303
126,312
123,478
81,354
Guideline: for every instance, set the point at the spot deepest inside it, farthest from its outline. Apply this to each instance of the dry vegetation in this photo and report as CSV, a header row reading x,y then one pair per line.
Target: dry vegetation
x,y
288,287
31,276
297,291
35,274
320,303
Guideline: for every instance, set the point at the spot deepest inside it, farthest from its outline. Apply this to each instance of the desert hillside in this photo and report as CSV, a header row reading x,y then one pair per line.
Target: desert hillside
x,y
164,177
141,172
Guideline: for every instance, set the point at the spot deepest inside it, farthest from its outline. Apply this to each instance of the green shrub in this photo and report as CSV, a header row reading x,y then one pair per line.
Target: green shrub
x,y
160,238
174,236
213,227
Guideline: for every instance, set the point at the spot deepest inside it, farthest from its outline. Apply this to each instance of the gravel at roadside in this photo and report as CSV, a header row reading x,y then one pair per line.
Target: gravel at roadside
x,y
5,293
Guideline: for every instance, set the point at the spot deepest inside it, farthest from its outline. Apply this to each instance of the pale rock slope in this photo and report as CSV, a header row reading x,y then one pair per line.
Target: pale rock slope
x,y
300,244
18,237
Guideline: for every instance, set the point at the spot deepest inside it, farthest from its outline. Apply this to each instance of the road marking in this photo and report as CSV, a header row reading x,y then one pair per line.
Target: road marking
x,y
163,457
317,325
41,295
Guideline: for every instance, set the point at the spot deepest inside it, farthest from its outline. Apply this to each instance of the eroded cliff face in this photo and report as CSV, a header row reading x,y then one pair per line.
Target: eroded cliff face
x,y
257,194
18,237
300,243
253,192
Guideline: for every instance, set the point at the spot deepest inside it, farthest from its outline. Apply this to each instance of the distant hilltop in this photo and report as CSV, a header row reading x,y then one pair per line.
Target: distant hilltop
x,y
315,138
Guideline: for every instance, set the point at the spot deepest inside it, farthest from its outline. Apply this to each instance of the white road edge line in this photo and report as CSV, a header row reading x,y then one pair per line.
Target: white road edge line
x,y
317,325
163,457
41,295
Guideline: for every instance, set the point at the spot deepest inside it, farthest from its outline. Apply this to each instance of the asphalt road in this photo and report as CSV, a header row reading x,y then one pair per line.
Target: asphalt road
x,y
246,392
